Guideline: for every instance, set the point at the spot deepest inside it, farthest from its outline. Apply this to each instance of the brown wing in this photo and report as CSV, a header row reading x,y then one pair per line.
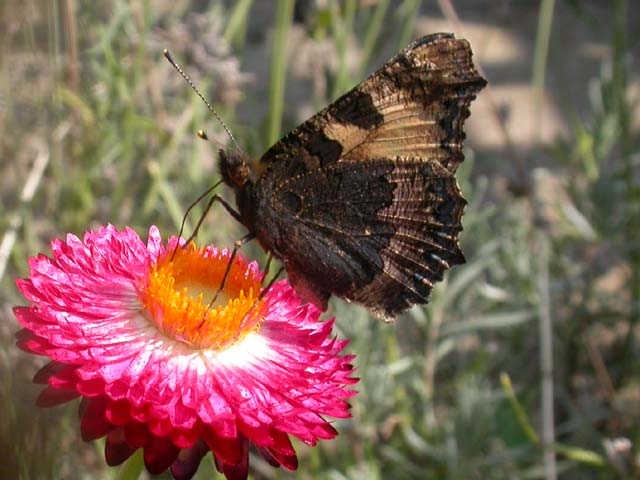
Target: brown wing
x,y
360,200
414,105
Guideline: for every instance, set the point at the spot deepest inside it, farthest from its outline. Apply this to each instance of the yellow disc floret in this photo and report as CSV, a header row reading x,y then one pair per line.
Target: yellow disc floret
x,y
183,298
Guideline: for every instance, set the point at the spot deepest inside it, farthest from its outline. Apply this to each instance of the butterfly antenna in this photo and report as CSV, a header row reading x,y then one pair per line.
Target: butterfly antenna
x,y
169,57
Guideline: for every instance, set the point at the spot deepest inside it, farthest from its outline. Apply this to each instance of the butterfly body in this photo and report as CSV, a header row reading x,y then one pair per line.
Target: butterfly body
x,y
360,201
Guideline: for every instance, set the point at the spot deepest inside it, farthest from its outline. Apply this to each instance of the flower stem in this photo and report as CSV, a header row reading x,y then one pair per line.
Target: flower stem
x,y
132,468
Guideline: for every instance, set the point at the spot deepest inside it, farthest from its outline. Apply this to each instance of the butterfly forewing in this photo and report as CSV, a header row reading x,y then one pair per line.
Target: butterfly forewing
x,y
414,105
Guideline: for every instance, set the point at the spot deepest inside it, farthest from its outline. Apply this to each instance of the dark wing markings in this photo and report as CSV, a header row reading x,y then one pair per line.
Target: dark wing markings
x,y
385,249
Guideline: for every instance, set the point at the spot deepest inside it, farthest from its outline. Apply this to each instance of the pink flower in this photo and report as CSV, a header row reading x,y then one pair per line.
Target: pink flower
x,y
129,328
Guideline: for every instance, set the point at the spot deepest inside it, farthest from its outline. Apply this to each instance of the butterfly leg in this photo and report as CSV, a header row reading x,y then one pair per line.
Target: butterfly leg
x,y
266,274
264,291
225,204
212,200
268,265
196,201
236,246
271,282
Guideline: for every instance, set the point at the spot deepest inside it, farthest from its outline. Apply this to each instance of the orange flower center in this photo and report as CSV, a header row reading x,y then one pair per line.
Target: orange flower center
x,y
184,301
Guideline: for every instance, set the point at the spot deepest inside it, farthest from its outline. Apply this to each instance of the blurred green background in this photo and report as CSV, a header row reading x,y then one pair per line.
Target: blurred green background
x,y
525,363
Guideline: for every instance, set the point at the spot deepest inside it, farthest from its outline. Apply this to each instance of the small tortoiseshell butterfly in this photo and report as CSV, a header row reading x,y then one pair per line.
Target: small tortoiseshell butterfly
x,y
360,201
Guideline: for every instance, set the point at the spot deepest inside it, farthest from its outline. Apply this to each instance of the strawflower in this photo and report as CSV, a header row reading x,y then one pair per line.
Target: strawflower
x,y
129,328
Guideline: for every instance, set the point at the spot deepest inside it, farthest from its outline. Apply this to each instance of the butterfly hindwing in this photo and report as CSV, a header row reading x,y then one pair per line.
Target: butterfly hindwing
x,y
425,216
380,233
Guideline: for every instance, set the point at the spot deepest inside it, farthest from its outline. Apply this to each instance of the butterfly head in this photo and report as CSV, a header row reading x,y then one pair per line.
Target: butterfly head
x,y
234,169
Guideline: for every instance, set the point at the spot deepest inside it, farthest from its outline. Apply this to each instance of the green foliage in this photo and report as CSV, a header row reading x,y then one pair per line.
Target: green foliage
x,y
120,147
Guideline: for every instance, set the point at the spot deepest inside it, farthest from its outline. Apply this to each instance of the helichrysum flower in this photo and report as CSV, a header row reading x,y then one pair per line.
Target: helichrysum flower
x,y
129,328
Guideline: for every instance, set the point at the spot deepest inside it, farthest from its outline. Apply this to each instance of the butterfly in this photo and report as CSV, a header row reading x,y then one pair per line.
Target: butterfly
x,y
360,201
